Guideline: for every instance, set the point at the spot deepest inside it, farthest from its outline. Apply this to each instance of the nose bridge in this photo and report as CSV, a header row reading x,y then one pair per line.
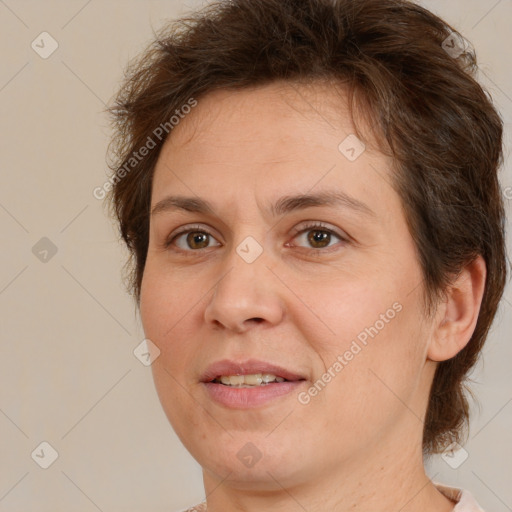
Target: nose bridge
x,y
247,289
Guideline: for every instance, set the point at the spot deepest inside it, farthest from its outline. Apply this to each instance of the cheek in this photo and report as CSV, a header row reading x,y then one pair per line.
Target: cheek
x,y
373,355
166,310
354,310
378,373
164,301
374,317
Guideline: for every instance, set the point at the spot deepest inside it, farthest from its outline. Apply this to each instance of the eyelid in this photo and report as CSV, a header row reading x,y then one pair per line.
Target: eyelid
x,y
312,224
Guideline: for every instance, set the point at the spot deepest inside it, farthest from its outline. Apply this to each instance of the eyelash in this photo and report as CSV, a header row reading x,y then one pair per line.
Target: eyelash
x,y
318,226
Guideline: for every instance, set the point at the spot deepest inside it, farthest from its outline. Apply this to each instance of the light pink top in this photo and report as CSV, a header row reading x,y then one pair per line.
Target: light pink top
x,y
464,499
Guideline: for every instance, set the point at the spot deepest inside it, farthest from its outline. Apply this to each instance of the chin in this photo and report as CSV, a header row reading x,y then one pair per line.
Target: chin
x,y
255,462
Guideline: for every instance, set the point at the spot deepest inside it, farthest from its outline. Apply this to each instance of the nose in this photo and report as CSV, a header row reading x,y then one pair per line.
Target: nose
x,y
247,294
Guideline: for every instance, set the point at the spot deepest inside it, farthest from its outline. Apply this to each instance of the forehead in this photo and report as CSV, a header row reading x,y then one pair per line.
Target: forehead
x,y
281,110
280,137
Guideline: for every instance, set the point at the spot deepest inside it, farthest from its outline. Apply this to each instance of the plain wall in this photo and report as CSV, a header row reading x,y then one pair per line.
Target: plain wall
x,y
68,328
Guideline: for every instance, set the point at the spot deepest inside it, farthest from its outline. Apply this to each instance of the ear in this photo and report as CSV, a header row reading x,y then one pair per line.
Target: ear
x,y
456,318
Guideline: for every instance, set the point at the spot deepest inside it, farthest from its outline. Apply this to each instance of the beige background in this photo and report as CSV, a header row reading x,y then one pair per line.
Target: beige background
x,y
68,329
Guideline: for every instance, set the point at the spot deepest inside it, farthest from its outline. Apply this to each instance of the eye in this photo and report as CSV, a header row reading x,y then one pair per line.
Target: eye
x,y
197,238
317,235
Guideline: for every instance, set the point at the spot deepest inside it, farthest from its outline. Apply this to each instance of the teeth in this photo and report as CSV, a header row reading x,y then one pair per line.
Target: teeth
x,y
255,379
251,380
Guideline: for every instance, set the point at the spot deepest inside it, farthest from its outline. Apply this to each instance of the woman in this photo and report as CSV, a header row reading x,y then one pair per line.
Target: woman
x,y
309,192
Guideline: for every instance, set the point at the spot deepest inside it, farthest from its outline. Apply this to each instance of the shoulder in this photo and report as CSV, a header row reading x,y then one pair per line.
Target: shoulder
x,y
465,501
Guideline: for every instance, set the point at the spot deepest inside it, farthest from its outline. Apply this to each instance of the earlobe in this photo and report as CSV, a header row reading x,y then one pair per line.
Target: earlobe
x,y
457,318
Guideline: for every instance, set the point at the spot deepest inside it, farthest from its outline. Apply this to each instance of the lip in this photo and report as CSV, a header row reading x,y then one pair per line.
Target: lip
x,y
245,398
247,367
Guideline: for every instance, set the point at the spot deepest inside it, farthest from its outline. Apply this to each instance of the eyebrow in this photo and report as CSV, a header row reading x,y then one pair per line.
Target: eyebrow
x,y
283,205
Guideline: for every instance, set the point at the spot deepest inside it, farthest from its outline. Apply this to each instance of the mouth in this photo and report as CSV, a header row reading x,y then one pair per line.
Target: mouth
x,y
251,372
248,384
248,381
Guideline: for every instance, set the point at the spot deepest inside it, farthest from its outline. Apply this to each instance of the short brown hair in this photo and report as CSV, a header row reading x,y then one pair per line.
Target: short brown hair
x,y
435,119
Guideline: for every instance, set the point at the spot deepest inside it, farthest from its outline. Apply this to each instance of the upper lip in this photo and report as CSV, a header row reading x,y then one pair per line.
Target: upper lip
x,y
247,367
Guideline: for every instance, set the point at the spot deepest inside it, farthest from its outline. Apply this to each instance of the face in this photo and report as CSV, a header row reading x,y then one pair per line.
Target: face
x,y
326,294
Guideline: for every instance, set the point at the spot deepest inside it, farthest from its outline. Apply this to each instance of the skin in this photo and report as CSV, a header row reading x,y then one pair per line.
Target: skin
x,y
357,444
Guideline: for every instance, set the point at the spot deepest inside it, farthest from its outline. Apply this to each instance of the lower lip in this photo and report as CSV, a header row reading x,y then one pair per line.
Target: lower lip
x,y
244,398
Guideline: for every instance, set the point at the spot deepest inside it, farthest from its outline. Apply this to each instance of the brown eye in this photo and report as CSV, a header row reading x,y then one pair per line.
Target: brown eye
x,y
319,238
191,240
197,240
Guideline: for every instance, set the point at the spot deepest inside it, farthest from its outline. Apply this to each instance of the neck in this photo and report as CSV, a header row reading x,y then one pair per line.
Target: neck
x,y
381,479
